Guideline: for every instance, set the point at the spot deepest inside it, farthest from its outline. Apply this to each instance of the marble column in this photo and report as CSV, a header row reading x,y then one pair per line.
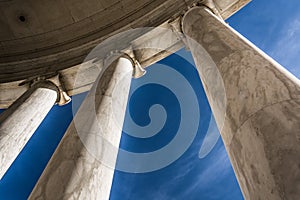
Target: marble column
x,y
259,113
22,118
82,166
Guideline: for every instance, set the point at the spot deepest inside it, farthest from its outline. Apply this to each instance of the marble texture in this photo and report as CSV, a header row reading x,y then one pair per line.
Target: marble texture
x,y
82,166
20,120
69,63
258,116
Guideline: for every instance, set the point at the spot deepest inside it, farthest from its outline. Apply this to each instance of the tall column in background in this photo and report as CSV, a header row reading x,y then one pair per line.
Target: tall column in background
x,y
22,118
261,130
82,166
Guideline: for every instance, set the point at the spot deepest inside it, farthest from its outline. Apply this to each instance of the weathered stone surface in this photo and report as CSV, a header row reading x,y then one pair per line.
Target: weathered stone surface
x,y
273,137
259,116
56,36
19,122
147,49
82,166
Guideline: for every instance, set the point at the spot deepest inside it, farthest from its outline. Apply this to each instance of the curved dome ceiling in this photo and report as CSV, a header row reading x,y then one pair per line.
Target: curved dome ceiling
x,y
39,37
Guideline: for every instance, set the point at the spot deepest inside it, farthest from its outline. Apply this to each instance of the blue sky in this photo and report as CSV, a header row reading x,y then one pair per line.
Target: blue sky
x,y
274,26
188,177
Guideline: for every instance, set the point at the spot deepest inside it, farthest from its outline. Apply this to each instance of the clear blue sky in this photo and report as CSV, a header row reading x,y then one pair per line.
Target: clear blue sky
x,y
189,177
274,26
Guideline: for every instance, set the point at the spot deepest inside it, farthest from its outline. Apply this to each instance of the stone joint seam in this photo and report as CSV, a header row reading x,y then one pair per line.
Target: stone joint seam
x,y
250,117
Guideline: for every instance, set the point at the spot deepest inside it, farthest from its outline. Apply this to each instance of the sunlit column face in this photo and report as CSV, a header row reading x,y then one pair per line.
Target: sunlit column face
x,y
83,164
19,122
261,115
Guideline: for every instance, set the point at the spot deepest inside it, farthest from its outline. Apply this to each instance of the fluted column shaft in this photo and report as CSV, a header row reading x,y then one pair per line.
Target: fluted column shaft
x,y
261,111
22,118
82,166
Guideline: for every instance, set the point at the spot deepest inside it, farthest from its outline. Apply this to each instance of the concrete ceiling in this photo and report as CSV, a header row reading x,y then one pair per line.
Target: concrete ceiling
x,y
38,36
43,37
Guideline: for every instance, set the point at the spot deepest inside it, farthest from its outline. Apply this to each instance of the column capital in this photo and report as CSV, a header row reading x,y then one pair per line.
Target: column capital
x,y
63,97
208,4
138,70
51,82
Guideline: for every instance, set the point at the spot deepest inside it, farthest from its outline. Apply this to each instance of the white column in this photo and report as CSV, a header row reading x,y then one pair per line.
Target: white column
x,y
82,166
261,129
22,118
